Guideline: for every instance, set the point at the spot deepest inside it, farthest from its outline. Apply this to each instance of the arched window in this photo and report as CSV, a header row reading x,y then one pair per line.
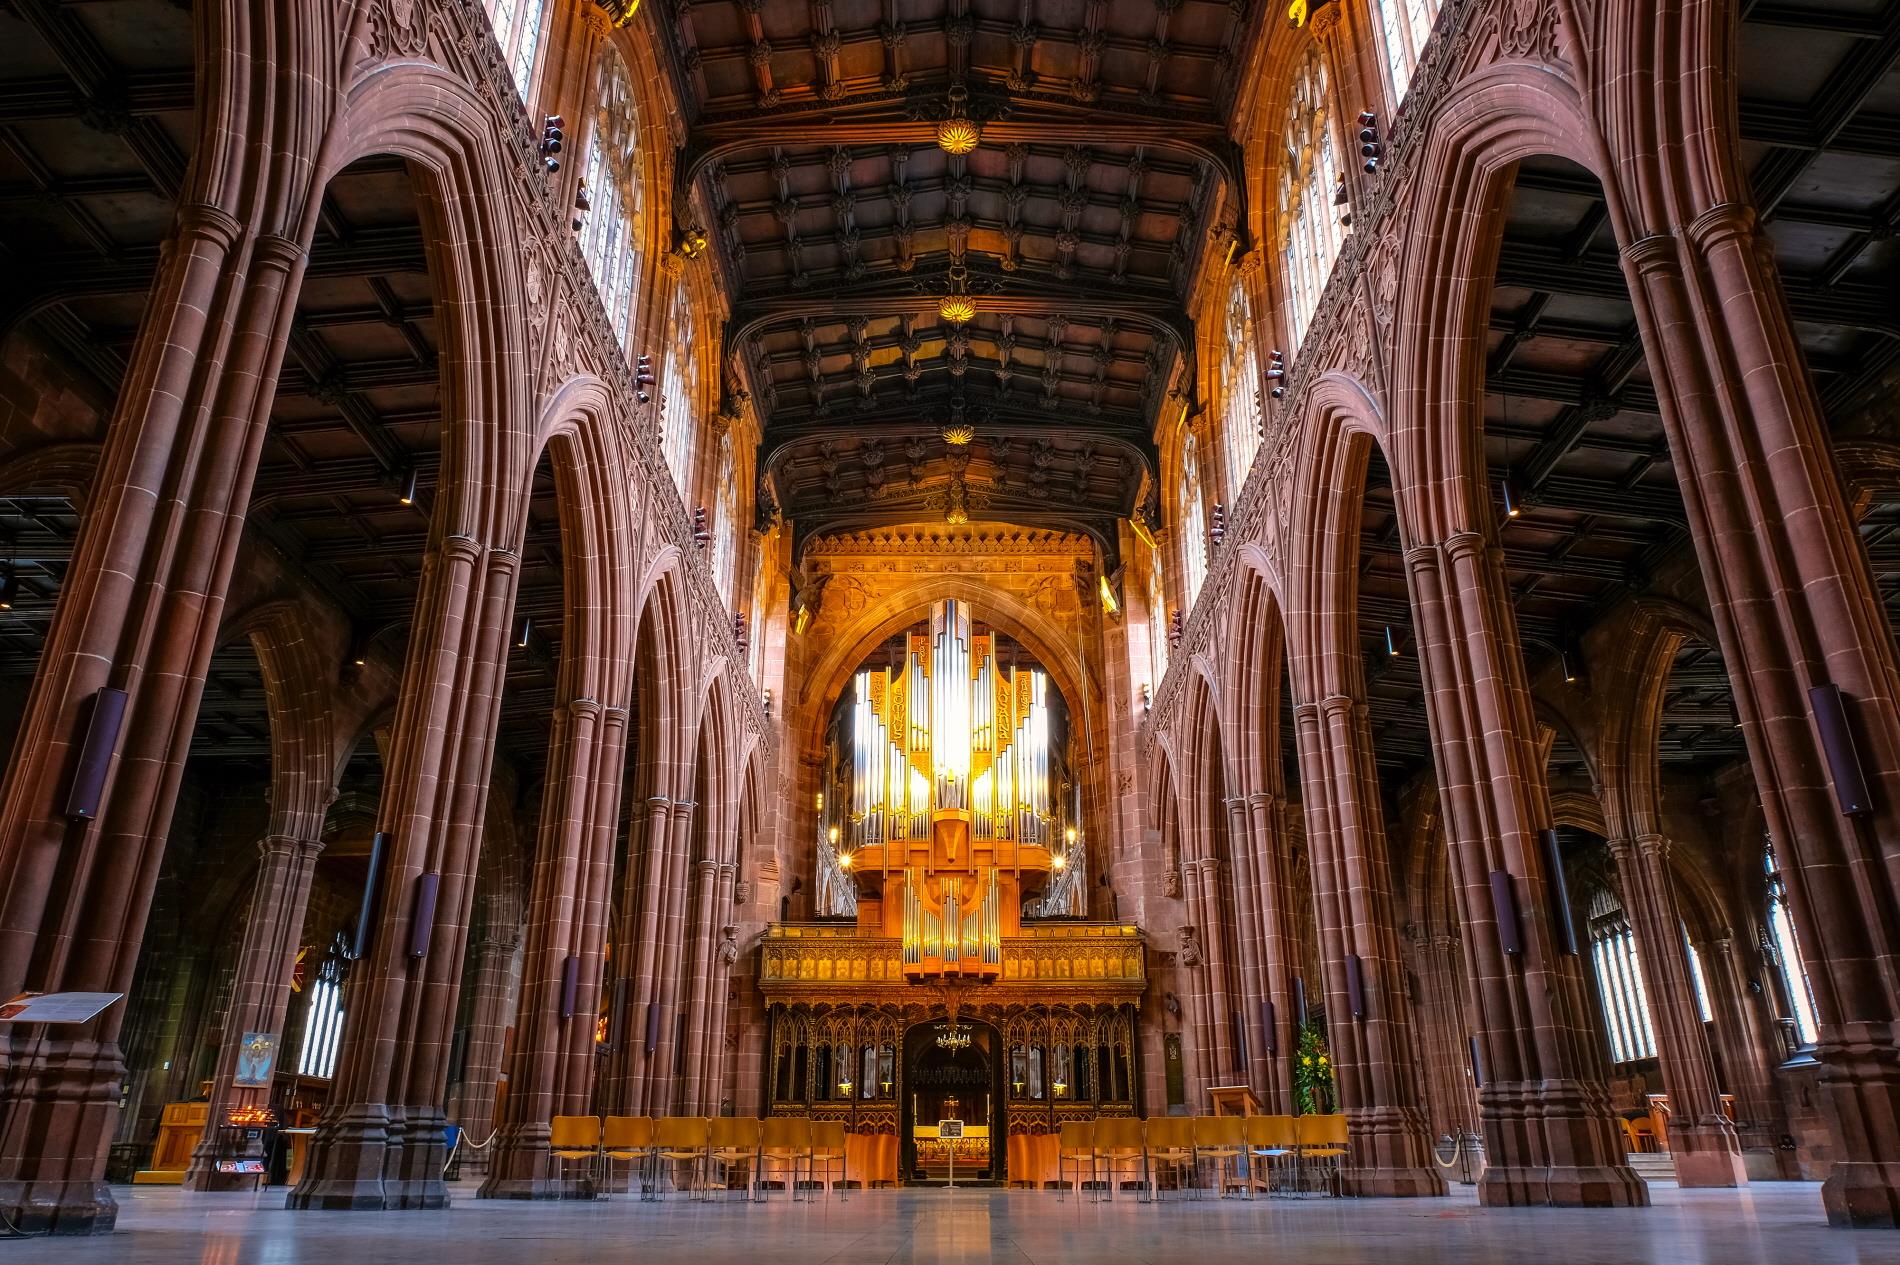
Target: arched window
x,y
1309,172
1787,957
323,1017
679,382
610,232
1619,973
726,530
518,26
1157,620
1404,26
1193,518
1240,388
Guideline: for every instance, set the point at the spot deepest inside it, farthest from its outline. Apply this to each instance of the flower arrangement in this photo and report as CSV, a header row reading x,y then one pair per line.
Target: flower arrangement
x,y
1313,1072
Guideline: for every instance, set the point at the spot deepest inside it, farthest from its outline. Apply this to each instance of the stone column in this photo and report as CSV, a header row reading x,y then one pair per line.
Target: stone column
x,y
1794,607
1747,1057
497,983
1549,1135
260,995
1701,1139
1451,1100
138,609
551,1072
1249,973
1352,896
701,933
381,1143
636,958
1273,892
664,1081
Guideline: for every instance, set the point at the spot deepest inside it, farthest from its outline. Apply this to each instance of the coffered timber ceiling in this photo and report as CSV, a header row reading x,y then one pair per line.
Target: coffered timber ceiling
x,y
1076,226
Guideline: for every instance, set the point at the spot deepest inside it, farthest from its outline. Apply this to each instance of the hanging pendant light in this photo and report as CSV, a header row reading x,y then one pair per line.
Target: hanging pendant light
x,y
1391,642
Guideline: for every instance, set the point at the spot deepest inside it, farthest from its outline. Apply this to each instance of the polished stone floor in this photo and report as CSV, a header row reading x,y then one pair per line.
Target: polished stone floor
x,y
1769,1222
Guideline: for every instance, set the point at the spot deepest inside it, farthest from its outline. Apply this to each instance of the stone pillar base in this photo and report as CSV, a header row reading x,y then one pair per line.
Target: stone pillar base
x,y
1391,1183
538,1188
65,1208
1706,1153
1604,1186
348,1161
1862,1196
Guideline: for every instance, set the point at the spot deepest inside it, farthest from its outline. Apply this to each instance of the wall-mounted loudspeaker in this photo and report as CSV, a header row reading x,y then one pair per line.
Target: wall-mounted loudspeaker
x,y
1504,909
1837,743
1356,985
570,984
95,754
1477,1063
422,916
1563,928
372,891
1271,1022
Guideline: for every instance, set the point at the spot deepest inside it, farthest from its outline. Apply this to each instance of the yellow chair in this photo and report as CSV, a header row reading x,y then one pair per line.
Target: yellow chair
x,y
681,1139
573,1138
785,1140
827,1144
1075,1143
1222,1139
1119,1138
734,1140
628,1138
1171,1143
1272,1142
1323,1141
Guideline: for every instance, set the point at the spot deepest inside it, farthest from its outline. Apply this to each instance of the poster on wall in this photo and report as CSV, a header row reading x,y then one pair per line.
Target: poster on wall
x,y
257,1058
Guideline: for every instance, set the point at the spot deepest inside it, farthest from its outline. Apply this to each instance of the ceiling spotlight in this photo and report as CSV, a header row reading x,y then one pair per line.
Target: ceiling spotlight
x,y
1512,507
524,632
9,589
1391,642
408,496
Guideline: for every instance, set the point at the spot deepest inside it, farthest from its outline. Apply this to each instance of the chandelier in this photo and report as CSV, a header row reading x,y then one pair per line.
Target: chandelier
x,y
953,1036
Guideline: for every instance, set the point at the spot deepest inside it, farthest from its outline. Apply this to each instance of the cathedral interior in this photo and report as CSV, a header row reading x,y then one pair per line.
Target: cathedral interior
x,y
995,588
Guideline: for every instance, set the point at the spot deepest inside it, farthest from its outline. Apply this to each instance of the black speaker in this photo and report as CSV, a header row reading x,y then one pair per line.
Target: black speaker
x,y
1563,927
570,984
1837,743
1271,1022
422,918
95,754
1299,1004
653,1026
1356,985
372,891
617,1015
1477,1063
1504,909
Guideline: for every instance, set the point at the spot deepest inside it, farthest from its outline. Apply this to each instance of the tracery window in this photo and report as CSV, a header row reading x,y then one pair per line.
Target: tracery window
x,y
1404,26
1309,172
1192,517
1786,953
726,531
679,390
1619,973
610,233
323,1019
1157,620
1240,388
518,25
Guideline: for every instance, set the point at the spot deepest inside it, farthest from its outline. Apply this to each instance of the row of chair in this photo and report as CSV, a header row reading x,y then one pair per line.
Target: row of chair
x,y
1276,1148
702,1144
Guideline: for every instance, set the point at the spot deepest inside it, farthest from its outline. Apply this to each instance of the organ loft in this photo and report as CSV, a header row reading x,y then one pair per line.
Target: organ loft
x,y
965,625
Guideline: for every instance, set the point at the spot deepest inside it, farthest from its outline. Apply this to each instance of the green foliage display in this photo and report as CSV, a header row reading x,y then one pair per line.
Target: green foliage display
x,y
1313,1072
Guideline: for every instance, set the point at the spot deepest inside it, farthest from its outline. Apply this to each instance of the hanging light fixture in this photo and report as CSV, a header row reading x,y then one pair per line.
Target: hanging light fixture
x,y
9,587
1391,642
408,496
524,633
958,134
1508,490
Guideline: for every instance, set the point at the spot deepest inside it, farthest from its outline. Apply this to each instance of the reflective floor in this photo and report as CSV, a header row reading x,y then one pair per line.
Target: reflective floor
x,y
1768,1222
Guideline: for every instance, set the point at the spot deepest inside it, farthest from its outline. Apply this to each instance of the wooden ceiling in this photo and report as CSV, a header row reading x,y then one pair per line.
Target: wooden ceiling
x,y
1075,226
